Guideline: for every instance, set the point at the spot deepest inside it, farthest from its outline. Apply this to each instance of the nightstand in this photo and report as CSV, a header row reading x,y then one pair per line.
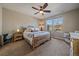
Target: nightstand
x,y
17,36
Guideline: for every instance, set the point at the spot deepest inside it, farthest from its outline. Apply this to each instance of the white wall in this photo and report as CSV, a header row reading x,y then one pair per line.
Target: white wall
x,y
12,19
71,20
0,20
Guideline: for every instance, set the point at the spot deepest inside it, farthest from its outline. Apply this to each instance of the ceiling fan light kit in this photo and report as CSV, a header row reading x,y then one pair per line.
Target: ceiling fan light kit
x,y
42,9
41,12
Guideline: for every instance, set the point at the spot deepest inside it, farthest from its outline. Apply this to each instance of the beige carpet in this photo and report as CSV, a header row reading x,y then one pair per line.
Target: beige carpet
x,y
53,47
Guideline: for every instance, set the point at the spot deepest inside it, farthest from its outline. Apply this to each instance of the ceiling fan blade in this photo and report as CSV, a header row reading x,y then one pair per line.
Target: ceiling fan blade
x,y
47,11
35,8
45,5
36,13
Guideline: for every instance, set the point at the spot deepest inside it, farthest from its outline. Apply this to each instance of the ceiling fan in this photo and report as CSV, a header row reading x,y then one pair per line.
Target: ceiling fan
x,y
42,10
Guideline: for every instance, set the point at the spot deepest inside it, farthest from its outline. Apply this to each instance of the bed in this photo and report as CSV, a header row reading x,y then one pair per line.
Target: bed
x,y
36,38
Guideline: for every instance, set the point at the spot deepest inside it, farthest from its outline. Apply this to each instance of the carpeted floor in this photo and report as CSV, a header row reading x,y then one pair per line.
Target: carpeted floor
x,y
54,47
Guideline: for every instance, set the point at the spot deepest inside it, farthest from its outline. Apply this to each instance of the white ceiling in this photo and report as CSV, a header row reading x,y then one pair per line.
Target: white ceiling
x,y
56,8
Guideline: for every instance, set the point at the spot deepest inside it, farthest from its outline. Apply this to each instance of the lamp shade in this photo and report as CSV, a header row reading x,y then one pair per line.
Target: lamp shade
x,y
18,30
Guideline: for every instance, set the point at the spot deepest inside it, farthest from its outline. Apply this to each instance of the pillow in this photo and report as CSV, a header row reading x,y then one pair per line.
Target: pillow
x,y
30,29
36,29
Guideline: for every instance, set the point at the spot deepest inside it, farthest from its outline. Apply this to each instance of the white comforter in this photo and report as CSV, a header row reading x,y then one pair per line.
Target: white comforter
x,y
30,35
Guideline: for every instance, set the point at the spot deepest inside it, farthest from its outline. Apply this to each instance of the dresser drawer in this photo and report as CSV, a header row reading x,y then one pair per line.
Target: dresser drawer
x,y
17,38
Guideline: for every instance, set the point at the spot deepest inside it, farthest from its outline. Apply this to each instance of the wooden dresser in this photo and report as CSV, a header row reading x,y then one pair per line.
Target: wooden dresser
x,y
75,44
17,36
76,47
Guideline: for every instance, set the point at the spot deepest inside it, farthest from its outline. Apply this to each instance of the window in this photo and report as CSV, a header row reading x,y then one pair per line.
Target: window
x,y
49,22
56,24
58,21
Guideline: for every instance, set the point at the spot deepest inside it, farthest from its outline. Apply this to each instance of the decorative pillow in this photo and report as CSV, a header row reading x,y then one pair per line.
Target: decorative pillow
x,y
28,30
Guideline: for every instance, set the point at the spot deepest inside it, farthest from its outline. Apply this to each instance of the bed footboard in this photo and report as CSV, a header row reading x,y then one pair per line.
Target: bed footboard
x,y
39,40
